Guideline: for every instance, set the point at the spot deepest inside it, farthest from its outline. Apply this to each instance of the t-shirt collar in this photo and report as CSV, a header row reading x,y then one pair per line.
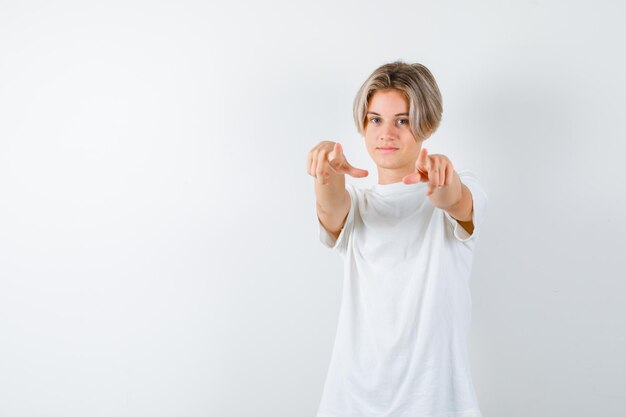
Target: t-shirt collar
x,y
396,187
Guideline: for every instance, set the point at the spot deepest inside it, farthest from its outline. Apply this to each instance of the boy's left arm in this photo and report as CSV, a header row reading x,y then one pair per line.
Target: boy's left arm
x,y
456,199
445,189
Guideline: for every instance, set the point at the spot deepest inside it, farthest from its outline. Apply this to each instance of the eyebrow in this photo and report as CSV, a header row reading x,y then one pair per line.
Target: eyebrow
x,y
399,114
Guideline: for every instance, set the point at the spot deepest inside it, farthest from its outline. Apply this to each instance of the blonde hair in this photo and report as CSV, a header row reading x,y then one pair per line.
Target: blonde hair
x,y
417,85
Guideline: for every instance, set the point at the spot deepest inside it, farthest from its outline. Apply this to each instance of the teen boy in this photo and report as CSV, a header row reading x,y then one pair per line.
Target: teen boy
x,y
407,242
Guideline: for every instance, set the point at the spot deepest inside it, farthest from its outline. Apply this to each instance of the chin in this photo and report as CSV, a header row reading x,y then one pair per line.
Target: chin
x,y
388,165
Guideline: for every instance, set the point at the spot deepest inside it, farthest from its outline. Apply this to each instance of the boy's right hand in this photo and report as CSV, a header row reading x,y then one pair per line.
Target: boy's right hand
x,y
327,158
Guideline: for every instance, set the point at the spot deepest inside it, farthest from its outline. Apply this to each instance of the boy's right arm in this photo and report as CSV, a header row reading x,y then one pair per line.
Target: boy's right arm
x,y
327,163
333,204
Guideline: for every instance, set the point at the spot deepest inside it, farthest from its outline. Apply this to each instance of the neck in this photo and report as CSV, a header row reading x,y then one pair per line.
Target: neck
x,y
393,175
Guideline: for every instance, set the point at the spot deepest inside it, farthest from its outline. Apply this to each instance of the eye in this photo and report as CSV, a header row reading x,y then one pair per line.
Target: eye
x,y
375,120
403,121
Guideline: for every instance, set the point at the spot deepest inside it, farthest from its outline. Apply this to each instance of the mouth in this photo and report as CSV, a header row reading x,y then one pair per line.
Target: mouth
x,y
386,149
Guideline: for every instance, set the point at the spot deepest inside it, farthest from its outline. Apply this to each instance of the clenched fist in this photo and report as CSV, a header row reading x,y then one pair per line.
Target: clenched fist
x,y
327,159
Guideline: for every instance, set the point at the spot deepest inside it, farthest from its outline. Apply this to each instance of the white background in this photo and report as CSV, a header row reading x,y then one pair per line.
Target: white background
x,y
159,249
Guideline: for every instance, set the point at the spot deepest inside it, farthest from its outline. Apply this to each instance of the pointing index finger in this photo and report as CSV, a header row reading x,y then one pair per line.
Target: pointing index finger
x,y
422,160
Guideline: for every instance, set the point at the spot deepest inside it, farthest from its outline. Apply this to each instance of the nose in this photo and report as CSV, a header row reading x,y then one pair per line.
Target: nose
x,y
389,132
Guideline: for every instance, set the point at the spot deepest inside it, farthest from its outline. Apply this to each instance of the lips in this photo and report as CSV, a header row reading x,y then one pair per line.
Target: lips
x,y
387,149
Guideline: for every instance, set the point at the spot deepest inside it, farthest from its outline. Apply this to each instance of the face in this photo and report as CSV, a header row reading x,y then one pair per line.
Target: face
x,y
388,136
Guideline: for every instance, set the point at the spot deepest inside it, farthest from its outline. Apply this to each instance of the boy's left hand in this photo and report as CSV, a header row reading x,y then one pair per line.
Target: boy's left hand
x,y
436,170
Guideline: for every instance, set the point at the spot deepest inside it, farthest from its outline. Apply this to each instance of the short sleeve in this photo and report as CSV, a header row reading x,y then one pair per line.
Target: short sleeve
x,y
479,201
341,242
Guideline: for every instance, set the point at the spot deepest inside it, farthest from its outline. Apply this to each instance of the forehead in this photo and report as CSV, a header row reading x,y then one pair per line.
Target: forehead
x,y
390,101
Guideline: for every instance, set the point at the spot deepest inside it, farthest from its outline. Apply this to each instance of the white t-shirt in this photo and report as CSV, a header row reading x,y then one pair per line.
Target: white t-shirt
x,y
401,343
